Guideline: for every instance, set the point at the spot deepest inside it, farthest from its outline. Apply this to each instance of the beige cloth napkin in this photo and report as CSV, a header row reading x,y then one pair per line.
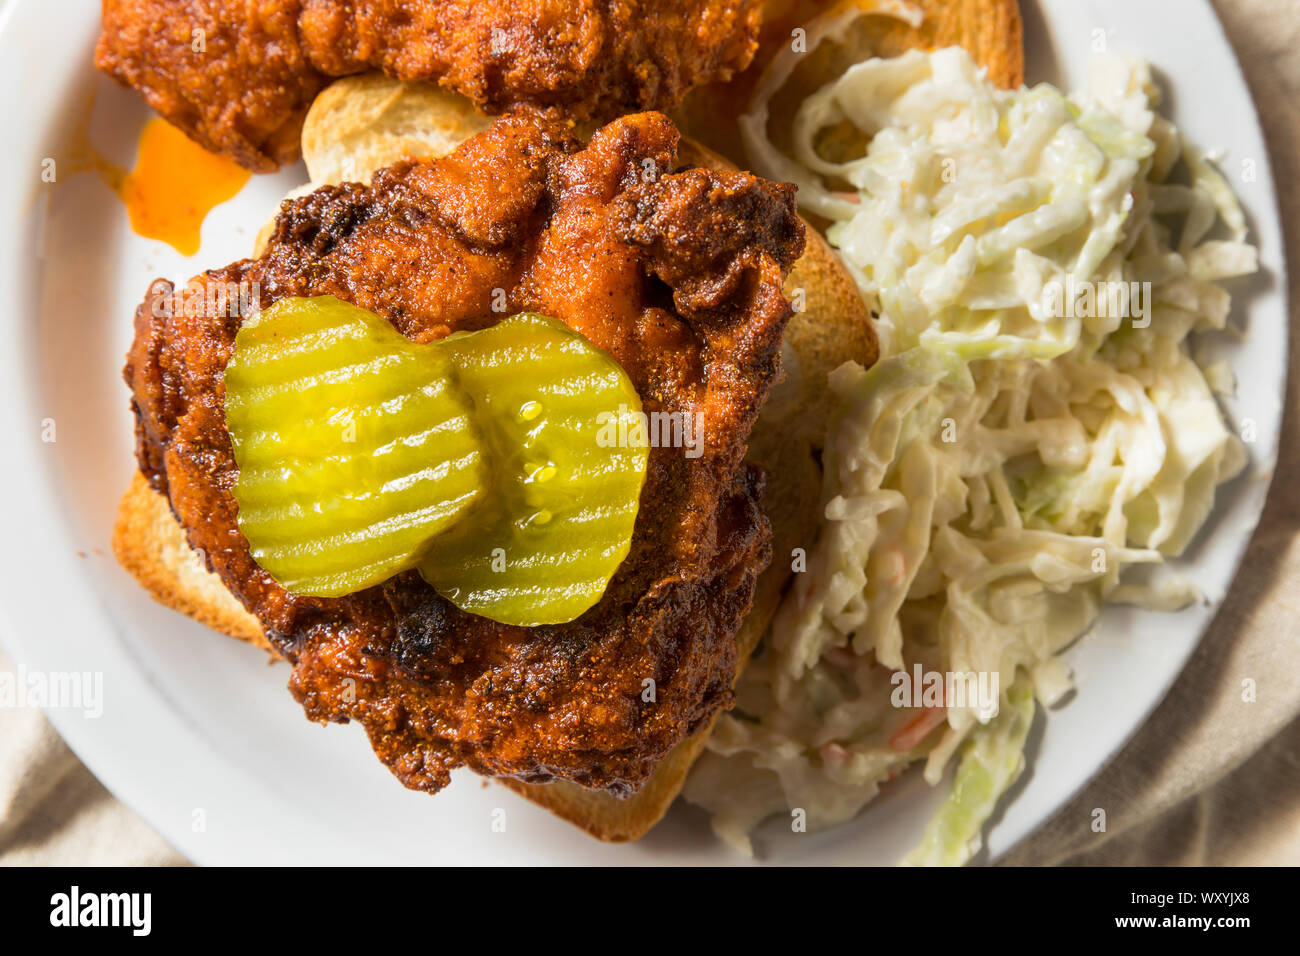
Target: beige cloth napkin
x,y
1209,779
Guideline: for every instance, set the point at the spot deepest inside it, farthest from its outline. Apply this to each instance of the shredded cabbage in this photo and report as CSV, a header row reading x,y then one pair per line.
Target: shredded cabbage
x,y
992,760
1035,429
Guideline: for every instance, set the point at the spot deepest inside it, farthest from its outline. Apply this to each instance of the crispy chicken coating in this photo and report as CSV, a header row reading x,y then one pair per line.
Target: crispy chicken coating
x,y
239,75
677,274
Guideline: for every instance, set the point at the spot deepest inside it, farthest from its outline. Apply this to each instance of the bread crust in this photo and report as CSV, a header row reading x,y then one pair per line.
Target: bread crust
x,y
149,543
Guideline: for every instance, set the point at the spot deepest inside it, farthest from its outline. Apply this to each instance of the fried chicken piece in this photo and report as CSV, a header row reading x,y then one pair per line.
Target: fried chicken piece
x,y
677,275
239,76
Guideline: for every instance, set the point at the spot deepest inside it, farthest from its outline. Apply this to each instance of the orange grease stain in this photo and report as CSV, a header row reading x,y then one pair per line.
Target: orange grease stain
x,y
174,185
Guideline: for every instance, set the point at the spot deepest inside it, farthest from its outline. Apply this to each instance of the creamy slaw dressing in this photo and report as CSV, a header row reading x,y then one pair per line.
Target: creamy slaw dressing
x,y
1022,447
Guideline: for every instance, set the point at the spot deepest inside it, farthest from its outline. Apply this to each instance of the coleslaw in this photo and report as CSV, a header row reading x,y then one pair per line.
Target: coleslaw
x,y
1035,441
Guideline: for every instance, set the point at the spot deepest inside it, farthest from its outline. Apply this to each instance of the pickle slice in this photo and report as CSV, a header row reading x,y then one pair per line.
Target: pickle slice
x,y
558,521
354,446
506,464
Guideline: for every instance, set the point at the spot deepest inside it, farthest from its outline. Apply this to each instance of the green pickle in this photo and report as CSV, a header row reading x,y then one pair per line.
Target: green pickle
x,y
354,447
558,521
477,459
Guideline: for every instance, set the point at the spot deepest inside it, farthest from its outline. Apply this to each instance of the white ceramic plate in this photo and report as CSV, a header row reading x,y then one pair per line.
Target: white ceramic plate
x,y
198,734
